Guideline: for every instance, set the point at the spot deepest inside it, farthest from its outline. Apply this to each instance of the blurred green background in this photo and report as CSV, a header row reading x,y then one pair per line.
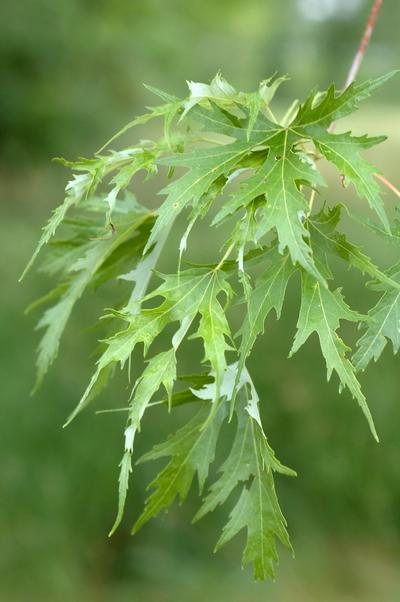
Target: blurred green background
x,y
71,73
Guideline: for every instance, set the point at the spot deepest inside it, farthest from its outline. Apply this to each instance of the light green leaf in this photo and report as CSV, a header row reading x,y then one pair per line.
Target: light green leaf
x,y
192,450
214,329
260,100
257,510
286,207
89,265
185,295
328,240
336,105
76,189
160,370
343,150
383,324
168,111
206,166
267,294
321,312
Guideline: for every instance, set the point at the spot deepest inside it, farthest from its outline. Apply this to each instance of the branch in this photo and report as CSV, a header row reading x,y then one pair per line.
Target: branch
x,y
355,68
387,183
359,56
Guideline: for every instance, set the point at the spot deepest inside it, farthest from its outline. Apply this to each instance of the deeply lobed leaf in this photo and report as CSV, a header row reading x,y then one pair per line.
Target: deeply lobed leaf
x,y
230,161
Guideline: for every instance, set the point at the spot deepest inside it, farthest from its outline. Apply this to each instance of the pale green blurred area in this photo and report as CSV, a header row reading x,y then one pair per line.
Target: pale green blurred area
x,y
71,74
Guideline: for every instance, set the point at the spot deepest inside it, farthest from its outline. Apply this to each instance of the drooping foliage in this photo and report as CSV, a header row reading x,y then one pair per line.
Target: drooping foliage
x,y
229,161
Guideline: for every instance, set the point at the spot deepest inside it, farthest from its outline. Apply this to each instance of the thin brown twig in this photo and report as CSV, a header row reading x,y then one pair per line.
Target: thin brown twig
x,y
387,183
359,56
355,68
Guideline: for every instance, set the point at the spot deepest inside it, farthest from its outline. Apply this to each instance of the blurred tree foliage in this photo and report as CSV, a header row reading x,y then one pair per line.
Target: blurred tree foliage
x,y
72,70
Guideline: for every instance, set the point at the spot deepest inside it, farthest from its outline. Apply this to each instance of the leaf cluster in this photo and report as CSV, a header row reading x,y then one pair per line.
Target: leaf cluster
x,y
229,161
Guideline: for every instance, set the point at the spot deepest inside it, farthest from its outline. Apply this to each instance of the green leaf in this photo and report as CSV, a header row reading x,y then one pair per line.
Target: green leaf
x,y
251,462
286,207
140,160
252,188
260,100
383,324
192,450
336,105
88,265
343,150
328,240
267,294
214,329
219,91
185,295
206,166
168,111
160,370
321,312
76,189
188,395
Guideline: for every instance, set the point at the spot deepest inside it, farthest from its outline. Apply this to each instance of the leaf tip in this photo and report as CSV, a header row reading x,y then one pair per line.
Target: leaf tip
x,y
114,528
69,419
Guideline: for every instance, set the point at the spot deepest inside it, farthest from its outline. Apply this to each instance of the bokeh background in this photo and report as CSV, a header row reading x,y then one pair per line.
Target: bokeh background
x,y
71,73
